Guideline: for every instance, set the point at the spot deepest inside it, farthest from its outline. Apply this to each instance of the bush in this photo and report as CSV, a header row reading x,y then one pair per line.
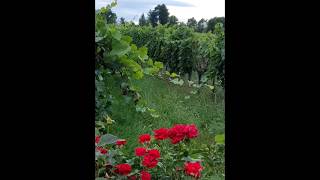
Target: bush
x,y
166,154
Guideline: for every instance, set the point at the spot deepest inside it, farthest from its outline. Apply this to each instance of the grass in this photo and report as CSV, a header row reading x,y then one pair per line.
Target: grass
x,y
171,104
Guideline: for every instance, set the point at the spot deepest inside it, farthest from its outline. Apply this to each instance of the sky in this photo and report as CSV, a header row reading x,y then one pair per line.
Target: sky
x,y
131,10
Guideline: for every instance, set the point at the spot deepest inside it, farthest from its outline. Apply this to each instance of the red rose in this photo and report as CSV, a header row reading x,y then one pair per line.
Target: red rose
x,y
132,177
154,153
140,151
193,169
144,138
98,139
121,142
161,134
123,169
145,175
102,150
149,161
191,131
177,133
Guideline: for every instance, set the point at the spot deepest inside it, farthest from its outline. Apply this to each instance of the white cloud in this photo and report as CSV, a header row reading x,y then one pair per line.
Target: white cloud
x,y
202,9
182,9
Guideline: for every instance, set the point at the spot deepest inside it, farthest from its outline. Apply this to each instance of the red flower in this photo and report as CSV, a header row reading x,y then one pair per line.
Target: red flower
x,y
193,169
154,153
177,133
149,161
123,169
98,139
121,142
144,138
145,175
161,134
102,150
132,177
140,151
191,131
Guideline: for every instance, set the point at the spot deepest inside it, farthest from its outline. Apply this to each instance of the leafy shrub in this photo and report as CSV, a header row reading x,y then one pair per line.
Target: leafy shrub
x,y
166,154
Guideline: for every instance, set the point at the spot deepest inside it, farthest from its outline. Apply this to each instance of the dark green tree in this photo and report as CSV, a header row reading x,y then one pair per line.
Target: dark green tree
x,y
122,20
212,23
153,17
163,13
192,23
173,20
111,17
201,27
142,20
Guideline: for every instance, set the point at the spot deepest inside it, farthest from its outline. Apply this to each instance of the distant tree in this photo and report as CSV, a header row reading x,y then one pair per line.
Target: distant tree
x,y
122,20
131,23
163,13
173,20
111,17
142,20
192,23
201,27
212,23
182,24
153,17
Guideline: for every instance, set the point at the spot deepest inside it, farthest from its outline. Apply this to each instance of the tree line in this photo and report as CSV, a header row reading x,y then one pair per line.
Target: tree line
x,y
160,15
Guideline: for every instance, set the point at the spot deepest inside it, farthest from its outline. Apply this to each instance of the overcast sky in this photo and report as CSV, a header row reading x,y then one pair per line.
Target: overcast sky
x,y
182,9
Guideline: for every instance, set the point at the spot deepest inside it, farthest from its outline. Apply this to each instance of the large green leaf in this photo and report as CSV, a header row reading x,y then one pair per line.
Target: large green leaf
x,y
116,35
138,74
151,71
143,53
107,139
119,48
158,64
127,39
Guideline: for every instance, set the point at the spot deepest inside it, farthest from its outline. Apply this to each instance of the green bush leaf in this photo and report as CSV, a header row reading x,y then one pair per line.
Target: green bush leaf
x,y
116,35
193,92
97,133
101,178
219,139
210,87
154,115
119,48
158,64
173,75
98,39
177,81
127,39
107,139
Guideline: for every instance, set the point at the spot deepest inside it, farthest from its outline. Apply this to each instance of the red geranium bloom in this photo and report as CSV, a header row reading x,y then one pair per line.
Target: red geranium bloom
x,y
123,169
121,142
98,139
149,161
177,133
145,175
144,138
102,150
140,151
191,131
161,134
193,169
154,153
